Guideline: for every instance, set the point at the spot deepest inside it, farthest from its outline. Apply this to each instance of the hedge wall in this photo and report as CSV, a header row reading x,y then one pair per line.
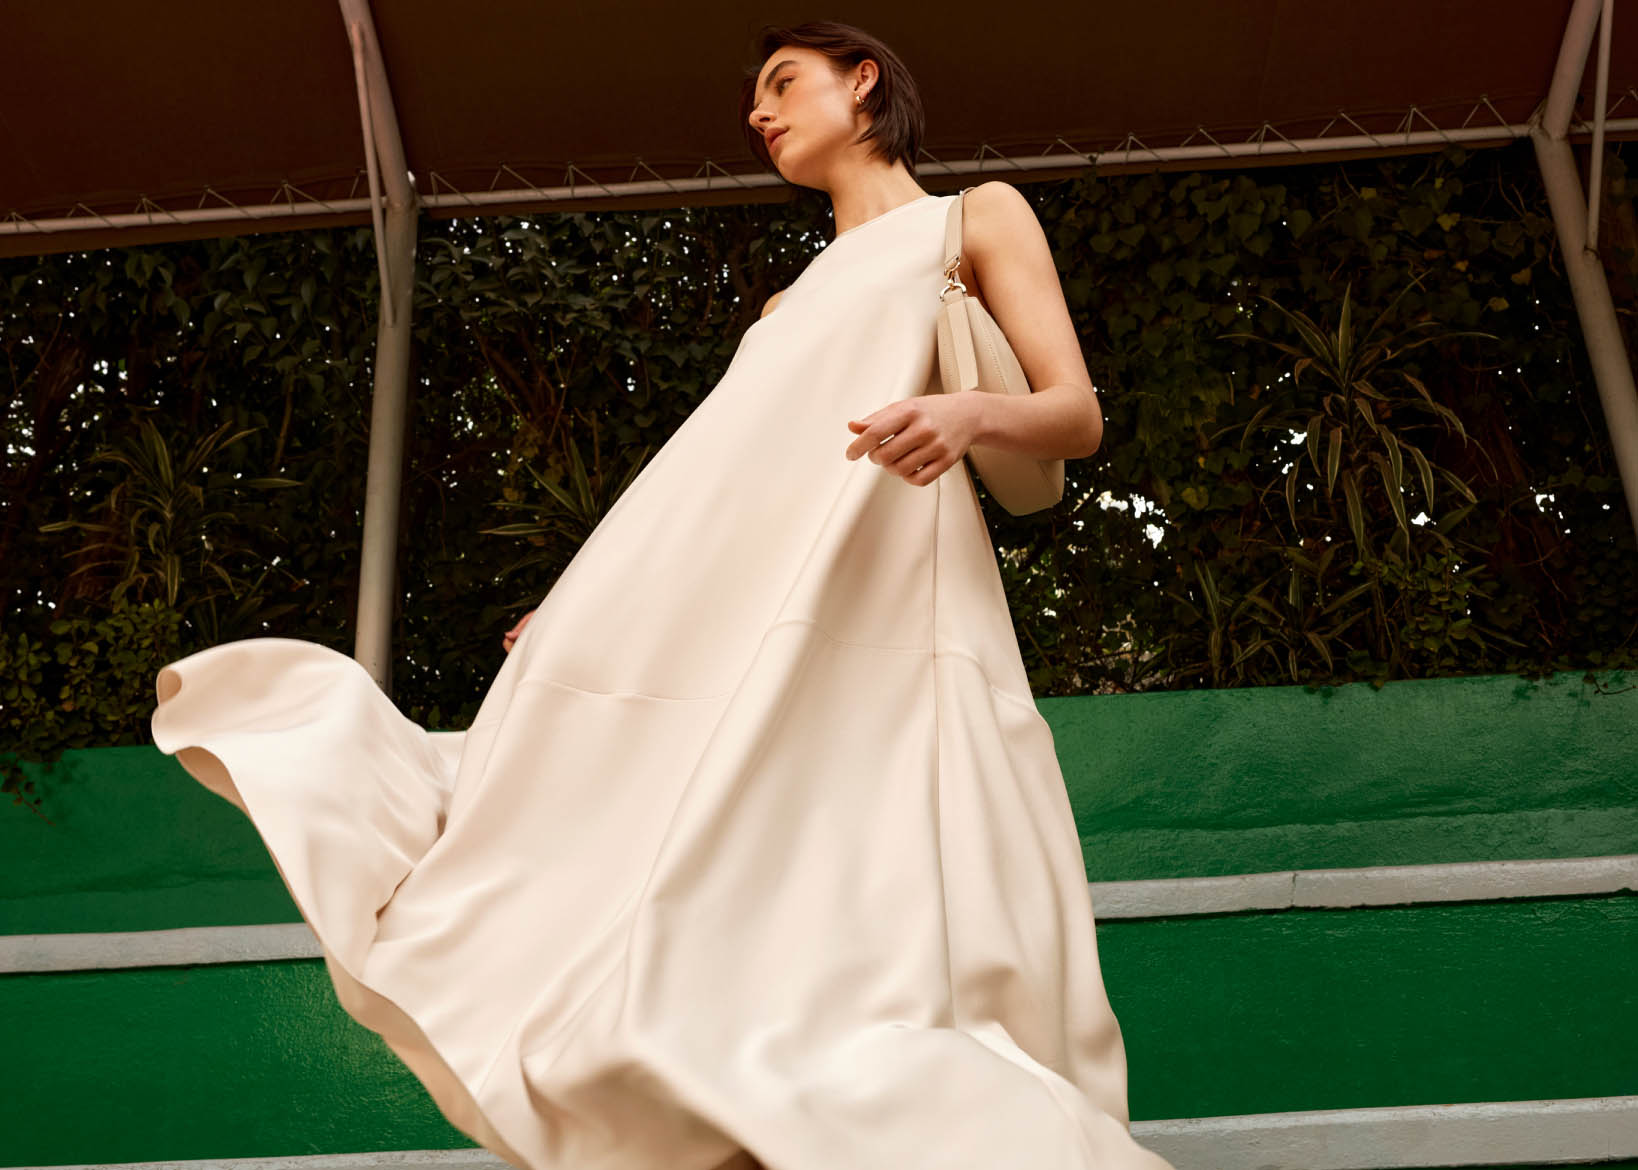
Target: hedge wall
x,y
1351,433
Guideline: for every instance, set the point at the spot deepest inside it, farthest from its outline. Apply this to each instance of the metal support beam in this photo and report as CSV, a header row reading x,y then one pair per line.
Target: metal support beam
x,y
504,193
1606,348
395,232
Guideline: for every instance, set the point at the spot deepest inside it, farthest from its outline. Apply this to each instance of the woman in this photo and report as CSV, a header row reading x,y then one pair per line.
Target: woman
x,y
756,853
857,133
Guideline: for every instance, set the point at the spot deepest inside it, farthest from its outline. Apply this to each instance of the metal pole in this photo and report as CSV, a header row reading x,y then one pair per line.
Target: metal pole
x,y
1606,348
395,231
377,574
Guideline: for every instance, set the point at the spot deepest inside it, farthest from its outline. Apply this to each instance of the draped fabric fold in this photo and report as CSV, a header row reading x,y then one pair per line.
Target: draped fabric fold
x,y
756,852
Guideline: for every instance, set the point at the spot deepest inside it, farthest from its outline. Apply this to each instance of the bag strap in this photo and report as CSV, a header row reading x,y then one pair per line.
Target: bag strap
x,y
952,243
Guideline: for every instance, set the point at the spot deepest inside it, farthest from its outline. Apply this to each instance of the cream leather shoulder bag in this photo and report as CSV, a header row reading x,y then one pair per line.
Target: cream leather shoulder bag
x,y
973,353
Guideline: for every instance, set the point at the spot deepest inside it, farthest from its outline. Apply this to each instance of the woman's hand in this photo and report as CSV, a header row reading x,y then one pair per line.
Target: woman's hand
x,y
929,434
509,639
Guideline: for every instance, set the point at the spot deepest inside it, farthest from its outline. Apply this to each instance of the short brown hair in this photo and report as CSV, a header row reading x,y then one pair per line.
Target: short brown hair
x,y
894,104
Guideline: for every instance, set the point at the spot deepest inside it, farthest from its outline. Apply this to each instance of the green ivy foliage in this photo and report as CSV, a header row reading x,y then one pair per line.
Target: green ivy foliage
x,y
1333,395
1255,578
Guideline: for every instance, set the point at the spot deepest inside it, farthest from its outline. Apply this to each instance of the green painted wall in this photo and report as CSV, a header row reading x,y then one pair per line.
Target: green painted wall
x,y
1222,1014
1244,1013
229,1060
133,843
1483,768
1173,784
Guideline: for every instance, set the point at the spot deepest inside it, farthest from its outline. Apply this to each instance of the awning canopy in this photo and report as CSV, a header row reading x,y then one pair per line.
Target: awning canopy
x,y
129,123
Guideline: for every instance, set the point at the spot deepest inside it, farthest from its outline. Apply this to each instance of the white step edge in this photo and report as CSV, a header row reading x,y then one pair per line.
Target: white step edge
x,y
182,947
1375,885
396,1159
1484,1133
1383,885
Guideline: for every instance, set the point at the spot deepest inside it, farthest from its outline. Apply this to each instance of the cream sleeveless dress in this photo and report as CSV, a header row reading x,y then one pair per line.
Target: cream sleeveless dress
x,y
757,852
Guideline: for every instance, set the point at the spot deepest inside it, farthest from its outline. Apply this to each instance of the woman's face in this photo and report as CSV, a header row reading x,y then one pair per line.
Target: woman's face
x,y
810,111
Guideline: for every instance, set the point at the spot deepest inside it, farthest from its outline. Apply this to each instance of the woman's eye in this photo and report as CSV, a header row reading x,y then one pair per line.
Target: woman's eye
x,y
783,82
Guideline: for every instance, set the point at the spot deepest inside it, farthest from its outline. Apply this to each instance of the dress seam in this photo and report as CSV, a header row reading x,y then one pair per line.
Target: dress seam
x,y
688,782
938,765
569,1017
811,623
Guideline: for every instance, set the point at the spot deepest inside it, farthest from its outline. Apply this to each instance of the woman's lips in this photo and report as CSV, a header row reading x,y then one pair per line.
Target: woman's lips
x,y
777,136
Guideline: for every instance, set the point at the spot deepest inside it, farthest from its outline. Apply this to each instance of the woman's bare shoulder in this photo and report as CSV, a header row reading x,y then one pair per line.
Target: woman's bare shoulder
x,y
996,212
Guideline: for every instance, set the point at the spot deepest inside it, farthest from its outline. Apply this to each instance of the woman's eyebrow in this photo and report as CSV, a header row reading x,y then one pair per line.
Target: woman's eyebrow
x,y
775,72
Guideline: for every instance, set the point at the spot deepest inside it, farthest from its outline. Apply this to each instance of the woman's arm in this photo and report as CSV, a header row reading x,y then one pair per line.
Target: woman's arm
x,y
1007,264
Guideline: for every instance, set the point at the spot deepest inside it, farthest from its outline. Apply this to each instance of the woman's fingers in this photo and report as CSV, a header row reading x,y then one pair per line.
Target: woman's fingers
x,y
922,464
897,445
511,635
928,471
